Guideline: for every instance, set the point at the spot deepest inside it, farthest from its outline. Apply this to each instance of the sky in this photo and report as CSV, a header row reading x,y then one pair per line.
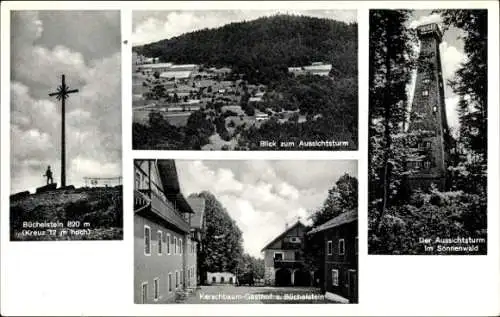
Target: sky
x,y
151,26
86,47
262,196
452,55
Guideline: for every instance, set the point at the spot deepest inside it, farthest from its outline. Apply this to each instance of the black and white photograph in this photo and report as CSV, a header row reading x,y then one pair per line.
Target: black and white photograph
x,y
245,231
66,154
428,132
245,80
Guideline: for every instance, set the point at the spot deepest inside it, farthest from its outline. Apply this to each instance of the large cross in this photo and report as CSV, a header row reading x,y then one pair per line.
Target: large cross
x,y
61,94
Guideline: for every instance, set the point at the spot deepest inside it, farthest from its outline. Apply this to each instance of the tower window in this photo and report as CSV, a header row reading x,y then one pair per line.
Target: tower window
x,y
425,93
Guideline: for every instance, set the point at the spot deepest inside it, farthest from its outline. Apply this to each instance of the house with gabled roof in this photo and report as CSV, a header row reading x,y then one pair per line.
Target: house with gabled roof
x,y
197,224
166,227
283,259
340,256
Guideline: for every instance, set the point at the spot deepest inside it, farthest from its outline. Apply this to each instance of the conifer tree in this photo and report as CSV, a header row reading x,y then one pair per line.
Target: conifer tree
x,y
391,63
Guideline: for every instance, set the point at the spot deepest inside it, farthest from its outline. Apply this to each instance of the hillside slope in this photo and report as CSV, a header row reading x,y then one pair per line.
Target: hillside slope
x,y
264,48
68,214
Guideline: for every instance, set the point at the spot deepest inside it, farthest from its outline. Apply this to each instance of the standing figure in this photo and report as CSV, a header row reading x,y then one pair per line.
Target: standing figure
x,y
48,174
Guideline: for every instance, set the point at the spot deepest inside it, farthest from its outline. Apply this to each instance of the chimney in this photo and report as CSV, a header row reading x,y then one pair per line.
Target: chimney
x,y
286,225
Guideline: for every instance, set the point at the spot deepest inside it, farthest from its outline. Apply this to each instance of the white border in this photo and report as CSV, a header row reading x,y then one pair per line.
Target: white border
x,y
388,285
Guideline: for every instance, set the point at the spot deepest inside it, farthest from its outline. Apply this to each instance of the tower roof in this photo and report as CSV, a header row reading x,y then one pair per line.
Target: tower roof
x,y
430,30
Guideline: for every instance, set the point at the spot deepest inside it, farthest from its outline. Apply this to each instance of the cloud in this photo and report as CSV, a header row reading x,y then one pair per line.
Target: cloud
x,y
257,195
451,59
452,113
154,26
93,115
426,19
85,167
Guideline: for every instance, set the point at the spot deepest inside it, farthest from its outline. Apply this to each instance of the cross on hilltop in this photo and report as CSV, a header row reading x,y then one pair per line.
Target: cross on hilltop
x,y
62,94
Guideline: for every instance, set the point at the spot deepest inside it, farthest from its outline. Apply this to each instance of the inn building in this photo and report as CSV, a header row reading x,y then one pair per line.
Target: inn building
x,y
167,230
283,259
339,238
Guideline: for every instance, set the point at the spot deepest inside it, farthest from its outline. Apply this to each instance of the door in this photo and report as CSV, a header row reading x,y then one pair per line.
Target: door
x,y
283,277
352,281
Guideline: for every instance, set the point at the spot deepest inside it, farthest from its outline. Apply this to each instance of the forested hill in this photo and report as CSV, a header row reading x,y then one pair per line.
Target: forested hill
x,y
266,45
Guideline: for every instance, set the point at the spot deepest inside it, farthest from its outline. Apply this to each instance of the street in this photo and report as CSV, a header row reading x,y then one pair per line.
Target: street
x,y
230,294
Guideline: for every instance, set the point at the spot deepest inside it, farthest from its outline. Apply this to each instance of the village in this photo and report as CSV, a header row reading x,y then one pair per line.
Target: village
x,y
229,101
172,233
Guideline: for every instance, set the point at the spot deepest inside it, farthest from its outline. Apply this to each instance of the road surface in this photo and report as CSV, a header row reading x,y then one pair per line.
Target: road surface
x,y
230,294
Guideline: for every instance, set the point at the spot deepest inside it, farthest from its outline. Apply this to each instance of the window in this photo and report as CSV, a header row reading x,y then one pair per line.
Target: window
x,y
214,279
160,242
329,247
147,240
278,256
341,246
137,180
182,277
180,246
434,109
356,245
168,243
189,247
156,288
175,245
176,279
426,80
144,292
169,282
425,93
230,280
416,164
335,277
222,279
427,164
